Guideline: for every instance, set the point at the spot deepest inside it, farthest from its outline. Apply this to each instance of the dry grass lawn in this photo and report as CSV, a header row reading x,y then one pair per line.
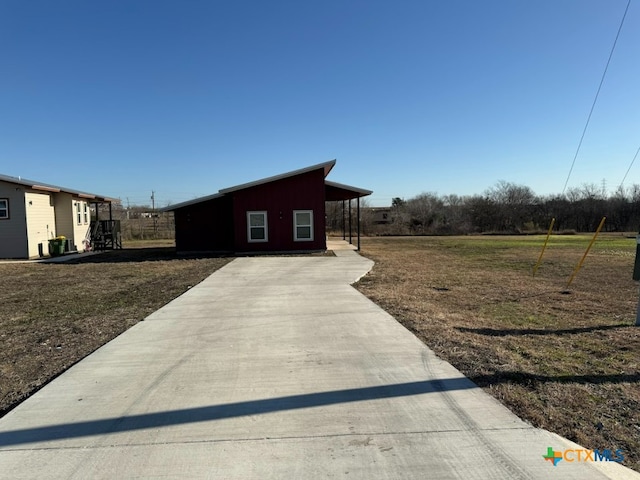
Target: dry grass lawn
x,y
52,315
566,361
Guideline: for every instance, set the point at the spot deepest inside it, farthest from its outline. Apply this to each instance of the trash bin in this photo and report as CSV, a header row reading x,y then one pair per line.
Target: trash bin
x,y
57,246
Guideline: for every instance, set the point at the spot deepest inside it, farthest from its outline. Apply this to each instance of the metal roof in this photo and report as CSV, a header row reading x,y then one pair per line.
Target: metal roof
x,y
176,206
327,166
45,187
338,191
334,191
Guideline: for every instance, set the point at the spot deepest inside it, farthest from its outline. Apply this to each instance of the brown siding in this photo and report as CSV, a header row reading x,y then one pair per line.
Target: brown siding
x,y
279,199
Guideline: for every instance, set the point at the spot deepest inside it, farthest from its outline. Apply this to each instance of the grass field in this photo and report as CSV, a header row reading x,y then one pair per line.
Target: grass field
x,y
564,360
52,315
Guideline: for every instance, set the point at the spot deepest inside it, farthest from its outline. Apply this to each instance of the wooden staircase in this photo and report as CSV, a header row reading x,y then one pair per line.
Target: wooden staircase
x,y
105,235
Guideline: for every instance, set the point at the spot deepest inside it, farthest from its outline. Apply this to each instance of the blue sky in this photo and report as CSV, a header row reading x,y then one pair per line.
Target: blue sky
x,y
188,97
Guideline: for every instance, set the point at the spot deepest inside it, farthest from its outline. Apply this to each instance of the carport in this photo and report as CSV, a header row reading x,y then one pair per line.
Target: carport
x,y
337,192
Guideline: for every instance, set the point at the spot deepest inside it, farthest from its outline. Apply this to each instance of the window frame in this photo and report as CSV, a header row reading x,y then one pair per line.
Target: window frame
x,y
85,213
7,216
265,227
78,214
296,225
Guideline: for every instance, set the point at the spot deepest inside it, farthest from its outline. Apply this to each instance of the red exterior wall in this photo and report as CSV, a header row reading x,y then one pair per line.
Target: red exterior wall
x,y
205,227
279,199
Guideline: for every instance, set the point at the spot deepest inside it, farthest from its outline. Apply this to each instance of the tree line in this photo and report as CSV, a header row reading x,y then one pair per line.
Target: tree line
x,y
504,208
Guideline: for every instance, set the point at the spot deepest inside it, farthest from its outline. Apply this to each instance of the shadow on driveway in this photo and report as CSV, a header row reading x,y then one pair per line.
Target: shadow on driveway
x,y
230,410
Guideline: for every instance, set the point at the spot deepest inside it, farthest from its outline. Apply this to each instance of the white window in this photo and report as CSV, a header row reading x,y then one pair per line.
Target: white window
x,y
257,229
303,225
78,213
85,213
4,208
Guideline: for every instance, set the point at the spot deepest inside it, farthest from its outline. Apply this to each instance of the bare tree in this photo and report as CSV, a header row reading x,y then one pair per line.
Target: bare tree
x,y
515,203
426,211
456,218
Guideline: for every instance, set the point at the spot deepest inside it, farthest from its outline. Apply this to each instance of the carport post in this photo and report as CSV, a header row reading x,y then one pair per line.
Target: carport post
x,y
350,242
358,214
344,223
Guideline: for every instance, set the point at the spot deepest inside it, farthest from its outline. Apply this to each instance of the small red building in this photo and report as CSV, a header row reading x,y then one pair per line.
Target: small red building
x,y
284,213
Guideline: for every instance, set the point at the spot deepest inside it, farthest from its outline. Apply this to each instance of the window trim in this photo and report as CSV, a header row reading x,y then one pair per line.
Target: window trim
x,y
8,215
85,213
296,225
78,214
265,227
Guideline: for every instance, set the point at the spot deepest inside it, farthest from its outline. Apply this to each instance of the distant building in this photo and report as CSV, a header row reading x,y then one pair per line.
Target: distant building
x,y
380,215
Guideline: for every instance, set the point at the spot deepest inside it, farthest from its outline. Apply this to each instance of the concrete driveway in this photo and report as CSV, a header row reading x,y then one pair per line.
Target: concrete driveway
x,y
275,368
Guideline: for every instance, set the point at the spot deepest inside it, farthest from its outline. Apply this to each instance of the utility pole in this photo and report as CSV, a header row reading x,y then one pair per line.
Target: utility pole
x,y
636,275
153,213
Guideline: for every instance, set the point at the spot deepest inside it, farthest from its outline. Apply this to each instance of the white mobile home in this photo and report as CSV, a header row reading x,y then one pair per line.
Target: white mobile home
x,y
32,213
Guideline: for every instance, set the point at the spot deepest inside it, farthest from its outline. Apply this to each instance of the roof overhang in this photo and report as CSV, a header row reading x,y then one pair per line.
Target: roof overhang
x,y
43,187
338,191
46,188
177,206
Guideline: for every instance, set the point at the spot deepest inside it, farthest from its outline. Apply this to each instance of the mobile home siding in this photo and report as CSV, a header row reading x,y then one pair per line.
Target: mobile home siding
x,y
81,229
64,215
13,231
66,220
41,221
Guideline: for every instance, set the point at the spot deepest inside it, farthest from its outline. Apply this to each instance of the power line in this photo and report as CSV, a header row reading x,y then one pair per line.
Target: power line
x,y
596,97
634,159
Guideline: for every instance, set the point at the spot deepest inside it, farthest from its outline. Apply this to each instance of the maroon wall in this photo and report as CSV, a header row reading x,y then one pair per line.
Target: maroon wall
x,y
205,227
279,199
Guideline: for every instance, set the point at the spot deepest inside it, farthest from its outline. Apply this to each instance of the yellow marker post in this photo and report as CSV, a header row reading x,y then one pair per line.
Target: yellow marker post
x,y
577,269
535,269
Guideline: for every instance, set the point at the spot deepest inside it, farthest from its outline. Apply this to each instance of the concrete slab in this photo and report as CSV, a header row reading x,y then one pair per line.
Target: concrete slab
x,y
61,259
336,244
275,368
